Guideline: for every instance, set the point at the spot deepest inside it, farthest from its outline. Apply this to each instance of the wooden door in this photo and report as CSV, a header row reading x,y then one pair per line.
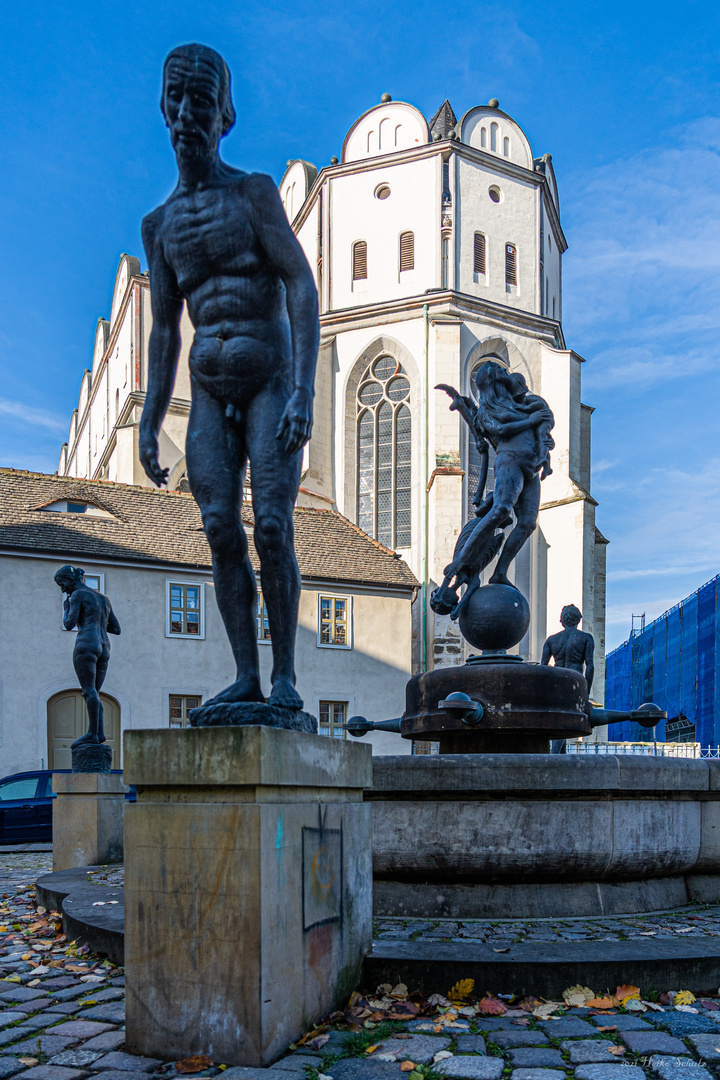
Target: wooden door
x,y
68,720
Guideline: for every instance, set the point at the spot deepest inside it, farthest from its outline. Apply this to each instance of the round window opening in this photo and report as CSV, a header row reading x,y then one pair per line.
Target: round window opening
x,y
495,194
382,192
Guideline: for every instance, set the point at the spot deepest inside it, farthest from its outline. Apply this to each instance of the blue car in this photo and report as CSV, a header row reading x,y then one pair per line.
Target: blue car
x,y
26,800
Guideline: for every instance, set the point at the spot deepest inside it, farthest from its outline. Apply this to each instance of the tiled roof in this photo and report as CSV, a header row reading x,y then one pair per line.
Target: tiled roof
x,y
164,527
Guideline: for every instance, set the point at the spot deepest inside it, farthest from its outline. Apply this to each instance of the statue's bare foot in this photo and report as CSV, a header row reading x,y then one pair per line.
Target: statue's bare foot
x,y
247,688
86,740
284,695
501,579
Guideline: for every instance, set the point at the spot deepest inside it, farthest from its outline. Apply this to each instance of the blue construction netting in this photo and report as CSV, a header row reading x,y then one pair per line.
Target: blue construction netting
x,y
674,662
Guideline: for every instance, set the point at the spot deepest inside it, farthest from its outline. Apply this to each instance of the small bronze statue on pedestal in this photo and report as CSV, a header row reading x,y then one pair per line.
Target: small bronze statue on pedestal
x,y
222,244
571,648
93,615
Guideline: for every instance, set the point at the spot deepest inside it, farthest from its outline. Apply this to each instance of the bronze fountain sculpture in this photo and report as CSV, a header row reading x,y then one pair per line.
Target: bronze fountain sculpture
x,y
497,702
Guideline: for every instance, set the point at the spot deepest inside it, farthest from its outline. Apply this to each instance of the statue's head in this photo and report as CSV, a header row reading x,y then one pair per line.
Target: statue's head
x,y
520,387
491,376
196,100
570,616
69,577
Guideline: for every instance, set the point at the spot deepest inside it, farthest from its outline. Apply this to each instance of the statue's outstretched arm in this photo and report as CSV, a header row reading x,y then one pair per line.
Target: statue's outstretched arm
x,y
164,348
287,258
460,403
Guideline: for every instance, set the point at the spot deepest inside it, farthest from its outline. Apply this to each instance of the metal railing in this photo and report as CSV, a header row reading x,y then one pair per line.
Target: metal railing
x,y
647,749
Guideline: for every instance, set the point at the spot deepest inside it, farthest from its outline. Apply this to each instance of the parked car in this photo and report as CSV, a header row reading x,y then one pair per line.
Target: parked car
x,y
26,800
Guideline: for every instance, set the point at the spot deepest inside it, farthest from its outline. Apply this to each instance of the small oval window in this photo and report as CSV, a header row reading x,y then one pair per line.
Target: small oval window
x,y
382,192
495,194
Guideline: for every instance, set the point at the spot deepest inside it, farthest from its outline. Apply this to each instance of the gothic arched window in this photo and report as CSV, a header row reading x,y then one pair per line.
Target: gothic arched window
x,y
384,431
473,457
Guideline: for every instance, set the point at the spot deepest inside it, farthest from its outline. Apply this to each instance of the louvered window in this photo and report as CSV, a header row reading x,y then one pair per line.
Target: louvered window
x,y
407,251
359,260
384,446
510,264
479,253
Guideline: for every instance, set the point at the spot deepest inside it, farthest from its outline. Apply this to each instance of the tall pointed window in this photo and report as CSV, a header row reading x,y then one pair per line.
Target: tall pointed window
x,y
510,264
479,253
384,431
472,471
359,260
407,251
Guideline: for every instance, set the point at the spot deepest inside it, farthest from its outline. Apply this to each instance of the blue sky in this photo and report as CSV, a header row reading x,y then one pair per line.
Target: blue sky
x,y
624,96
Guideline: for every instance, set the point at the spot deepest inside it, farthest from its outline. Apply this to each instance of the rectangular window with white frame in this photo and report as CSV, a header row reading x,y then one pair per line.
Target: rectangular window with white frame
x,y
333,714
334,622
185,609
180,706
93,581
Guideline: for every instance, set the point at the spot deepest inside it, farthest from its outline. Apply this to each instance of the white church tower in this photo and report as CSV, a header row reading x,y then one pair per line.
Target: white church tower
x,y
437,246
434,246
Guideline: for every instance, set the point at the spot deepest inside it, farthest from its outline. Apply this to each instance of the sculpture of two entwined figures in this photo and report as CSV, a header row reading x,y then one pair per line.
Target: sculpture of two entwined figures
x,y
517,424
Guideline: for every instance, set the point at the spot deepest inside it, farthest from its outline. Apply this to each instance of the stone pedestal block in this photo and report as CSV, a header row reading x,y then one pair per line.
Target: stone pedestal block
x,y
248,885
87,819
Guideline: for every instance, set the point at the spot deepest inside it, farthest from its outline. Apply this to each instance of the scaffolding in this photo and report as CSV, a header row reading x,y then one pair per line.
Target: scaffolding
x,y
674,662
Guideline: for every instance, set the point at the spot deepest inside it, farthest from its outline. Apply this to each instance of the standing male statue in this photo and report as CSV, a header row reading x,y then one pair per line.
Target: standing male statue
x,y
571,648
94,617
222,244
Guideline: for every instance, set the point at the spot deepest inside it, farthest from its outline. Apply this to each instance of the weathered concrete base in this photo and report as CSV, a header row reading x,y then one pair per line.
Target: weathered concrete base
x,y
543,836
87,819
540,900
248,888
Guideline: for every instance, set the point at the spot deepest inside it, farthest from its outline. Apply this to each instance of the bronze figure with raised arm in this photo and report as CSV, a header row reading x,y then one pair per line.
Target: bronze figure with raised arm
x,y
517,424
222,244
92,614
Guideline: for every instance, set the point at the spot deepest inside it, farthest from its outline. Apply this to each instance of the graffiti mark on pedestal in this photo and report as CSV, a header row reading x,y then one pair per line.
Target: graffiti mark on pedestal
x,y
322,876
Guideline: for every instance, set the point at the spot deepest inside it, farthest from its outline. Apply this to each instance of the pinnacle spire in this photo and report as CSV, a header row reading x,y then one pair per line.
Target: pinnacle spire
x,y
443,121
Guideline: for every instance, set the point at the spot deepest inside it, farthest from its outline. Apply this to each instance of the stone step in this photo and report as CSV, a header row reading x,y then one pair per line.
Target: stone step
x,y
545,969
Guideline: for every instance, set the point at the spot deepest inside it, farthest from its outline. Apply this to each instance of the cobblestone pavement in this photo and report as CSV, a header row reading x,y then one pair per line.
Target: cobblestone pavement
x,y
700,921
62,1016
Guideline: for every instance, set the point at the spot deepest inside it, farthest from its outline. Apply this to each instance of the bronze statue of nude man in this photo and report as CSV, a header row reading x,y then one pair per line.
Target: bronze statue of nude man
x,y
222,244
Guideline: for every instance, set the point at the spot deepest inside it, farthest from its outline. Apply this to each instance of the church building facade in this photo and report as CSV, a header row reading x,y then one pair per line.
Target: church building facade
x,y
435,246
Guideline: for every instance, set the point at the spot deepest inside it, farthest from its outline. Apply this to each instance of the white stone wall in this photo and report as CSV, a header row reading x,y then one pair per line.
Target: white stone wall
x,y
357,214
146,666
513,220
102,441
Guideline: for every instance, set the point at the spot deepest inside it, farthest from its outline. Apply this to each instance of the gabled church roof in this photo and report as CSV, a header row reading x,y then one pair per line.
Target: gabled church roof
x,y
443,121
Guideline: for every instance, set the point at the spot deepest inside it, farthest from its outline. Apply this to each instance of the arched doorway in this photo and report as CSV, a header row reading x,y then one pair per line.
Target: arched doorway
x,y
68,720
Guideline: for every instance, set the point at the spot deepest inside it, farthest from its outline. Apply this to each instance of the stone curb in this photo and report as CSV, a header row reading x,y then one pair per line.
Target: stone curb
x,y
91,914
547,968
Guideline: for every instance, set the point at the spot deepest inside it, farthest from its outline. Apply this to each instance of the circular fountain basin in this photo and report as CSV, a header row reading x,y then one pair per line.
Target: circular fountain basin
x,y
537,835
